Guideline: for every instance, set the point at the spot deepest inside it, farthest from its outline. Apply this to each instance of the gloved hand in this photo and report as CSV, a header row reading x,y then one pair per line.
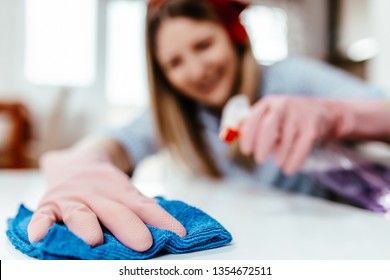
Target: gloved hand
x,y
84,188
287,127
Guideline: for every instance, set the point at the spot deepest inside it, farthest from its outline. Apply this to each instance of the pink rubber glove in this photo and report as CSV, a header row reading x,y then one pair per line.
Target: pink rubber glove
x,y
287,127
84,188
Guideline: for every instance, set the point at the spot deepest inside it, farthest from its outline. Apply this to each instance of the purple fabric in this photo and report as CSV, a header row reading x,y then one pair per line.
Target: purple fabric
x,y
367,185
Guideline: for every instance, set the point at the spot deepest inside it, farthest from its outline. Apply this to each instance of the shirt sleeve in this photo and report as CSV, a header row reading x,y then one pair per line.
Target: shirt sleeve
x,y
307,77
138,137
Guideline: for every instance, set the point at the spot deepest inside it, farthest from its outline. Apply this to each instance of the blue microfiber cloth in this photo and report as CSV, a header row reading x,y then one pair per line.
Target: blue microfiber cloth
x,y
203,232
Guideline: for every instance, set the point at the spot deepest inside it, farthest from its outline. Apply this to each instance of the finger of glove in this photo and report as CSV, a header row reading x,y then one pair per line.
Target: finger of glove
x,y
267,136
41,221
303,145
123,223
153,214
286,142
249,127
83,222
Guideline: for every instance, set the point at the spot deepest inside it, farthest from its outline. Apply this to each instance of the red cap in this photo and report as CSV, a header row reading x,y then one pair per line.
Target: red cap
x,y
228,12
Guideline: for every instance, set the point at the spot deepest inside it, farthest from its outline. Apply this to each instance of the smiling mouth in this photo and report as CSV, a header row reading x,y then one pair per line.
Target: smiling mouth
x,y
208,86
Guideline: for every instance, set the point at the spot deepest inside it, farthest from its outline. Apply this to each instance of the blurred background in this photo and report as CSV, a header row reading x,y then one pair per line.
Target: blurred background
x,y
72,67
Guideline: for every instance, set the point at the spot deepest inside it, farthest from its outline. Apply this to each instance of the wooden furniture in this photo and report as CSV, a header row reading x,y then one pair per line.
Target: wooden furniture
x,y
13,154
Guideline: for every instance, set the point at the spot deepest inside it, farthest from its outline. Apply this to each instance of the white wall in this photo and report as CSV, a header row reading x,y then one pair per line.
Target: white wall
x,y
10,41
355,23
315,27
379,67
83,110
368,19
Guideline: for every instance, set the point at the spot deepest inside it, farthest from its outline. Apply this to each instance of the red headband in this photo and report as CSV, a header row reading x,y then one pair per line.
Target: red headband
x,y
228,12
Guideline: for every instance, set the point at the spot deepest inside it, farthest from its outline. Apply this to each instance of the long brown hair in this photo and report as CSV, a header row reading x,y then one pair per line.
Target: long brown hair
x,y
176,117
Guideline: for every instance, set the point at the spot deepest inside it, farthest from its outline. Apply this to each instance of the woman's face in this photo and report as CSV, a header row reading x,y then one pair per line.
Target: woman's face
x,y
198,59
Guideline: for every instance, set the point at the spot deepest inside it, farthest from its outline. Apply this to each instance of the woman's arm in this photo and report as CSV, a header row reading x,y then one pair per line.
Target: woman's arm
x,y
301,76
112,148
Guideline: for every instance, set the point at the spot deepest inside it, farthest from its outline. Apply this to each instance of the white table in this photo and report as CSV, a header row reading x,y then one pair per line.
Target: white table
x,y
265,224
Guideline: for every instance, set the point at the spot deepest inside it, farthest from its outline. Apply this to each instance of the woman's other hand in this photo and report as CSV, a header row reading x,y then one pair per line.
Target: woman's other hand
x,y
286,128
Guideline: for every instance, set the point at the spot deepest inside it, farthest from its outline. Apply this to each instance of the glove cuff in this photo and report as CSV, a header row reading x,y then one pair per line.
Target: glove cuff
x,y
363,119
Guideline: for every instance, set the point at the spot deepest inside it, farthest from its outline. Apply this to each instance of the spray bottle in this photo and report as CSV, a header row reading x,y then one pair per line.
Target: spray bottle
x,y
341,169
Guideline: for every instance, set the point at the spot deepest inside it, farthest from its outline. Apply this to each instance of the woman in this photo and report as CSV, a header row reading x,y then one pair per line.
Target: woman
x,y
199,55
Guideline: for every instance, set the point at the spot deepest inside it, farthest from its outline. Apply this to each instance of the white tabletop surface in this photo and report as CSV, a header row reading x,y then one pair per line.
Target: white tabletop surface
x,y
265,224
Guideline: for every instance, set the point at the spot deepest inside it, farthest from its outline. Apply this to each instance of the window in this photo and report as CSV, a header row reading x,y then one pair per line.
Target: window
x,y
126,59
61,42
267,29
